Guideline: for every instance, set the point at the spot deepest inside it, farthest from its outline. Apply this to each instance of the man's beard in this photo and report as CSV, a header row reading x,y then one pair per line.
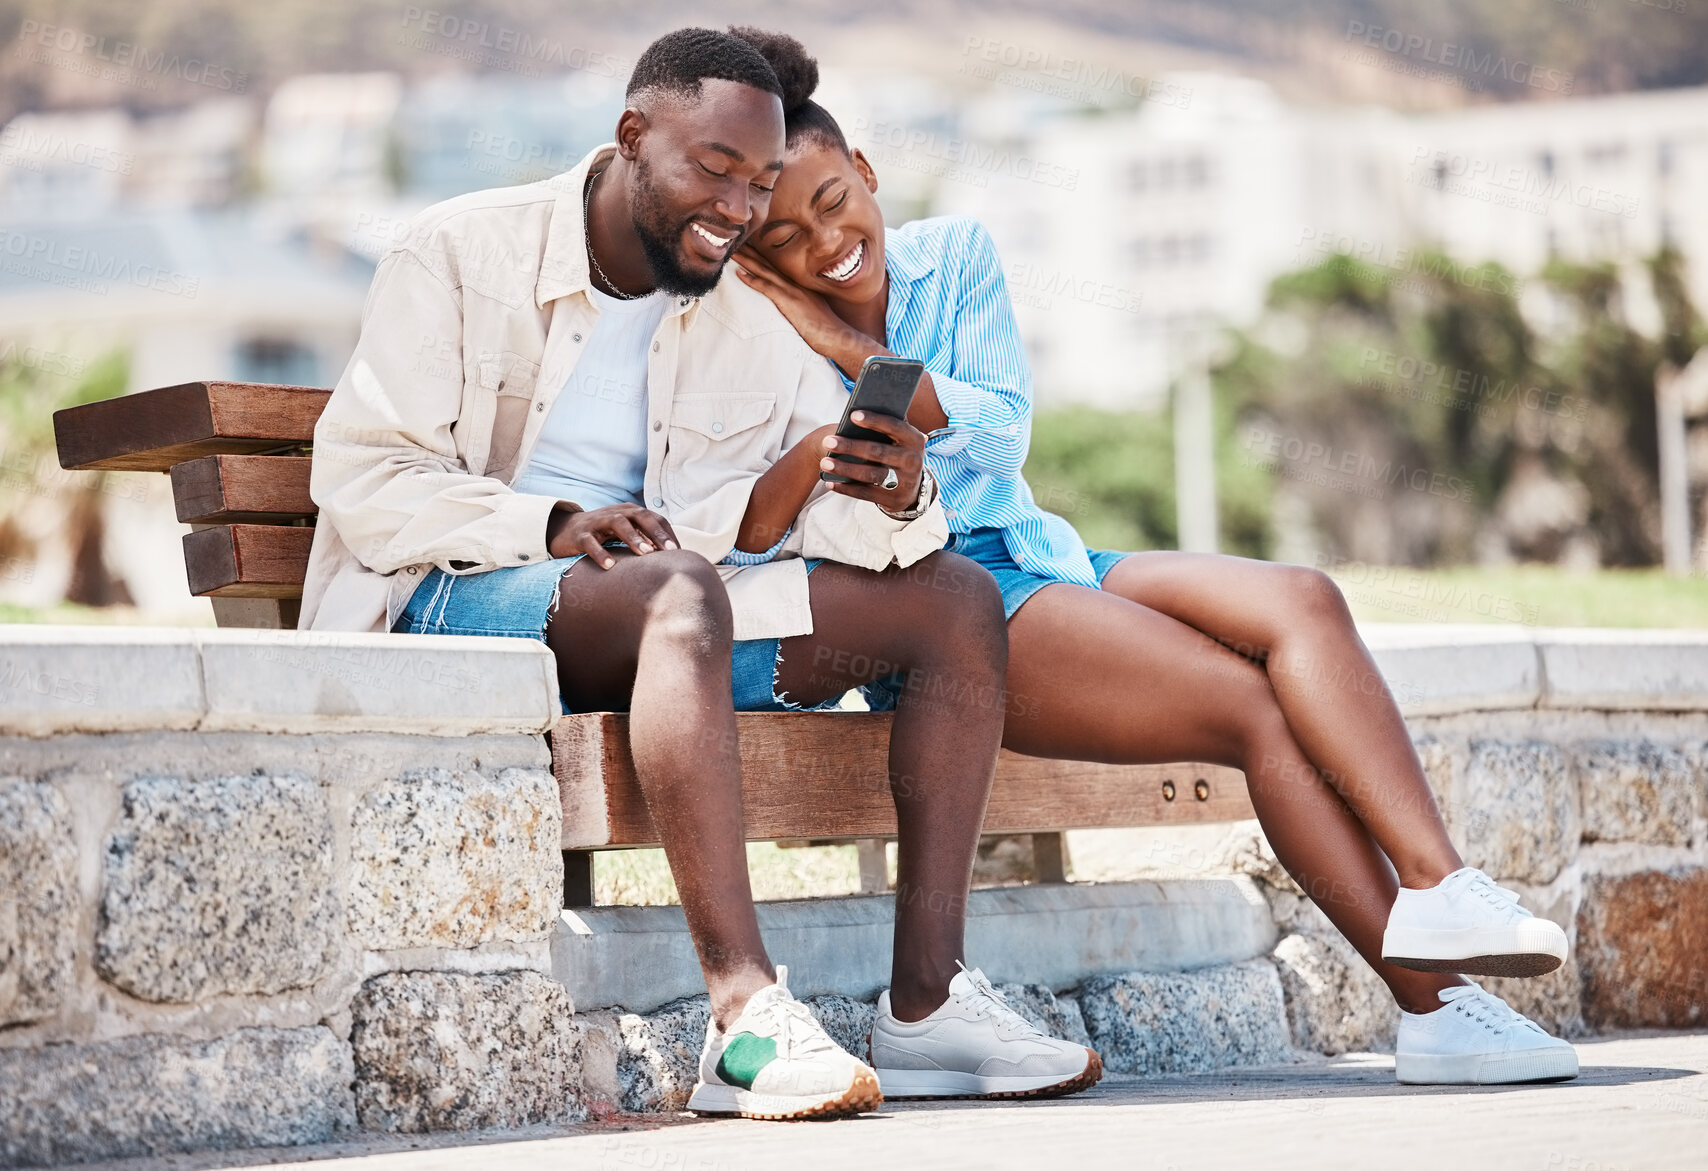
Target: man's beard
x,y
661,239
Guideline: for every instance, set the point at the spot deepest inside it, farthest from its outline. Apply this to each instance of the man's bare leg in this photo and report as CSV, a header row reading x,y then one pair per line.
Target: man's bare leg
x,y
651,636
940,622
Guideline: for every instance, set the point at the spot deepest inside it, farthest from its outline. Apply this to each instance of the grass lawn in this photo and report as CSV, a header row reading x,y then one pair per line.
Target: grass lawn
x,y
642,877
1529,595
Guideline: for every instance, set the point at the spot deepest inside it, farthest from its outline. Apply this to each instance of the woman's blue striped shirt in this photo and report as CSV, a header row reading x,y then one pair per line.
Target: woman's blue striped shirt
x,y
949,308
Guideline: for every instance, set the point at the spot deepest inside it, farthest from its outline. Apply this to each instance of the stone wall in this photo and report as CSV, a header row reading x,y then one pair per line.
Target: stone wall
x,y
263,921
267,888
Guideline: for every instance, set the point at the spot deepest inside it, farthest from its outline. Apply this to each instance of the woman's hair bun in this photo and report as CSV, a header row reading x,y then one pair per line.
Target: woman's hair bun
x,y
796,70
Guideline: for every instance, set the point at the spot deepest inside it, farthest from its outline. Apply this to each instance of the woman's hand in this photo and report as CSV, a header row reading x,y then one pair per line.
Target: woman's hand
x,y
569,533
905,456
809,313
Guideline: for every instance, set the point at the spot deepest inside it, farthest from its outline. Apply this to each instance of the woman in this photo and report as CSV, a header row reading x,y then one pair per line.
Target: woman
x,y
1157,656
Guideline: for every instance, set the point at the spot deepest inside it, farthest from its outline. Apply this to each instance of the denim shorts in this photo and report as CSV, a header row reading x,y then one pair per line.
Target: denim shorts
x,y
517,602
987,547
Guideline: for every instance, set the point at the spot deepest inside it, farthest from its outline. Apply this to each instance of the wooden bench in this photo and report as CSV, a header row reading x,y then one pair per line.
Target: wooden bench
x,y
239,456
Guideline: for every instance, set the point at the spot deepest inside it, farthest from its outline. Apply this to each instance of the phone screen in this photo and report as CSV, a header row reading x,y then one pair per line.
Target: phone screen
x,y
885,387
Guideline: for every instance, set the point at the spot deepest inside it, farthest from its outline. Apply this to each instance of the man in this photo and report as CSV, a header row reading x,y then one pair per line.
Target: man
x,y
551,427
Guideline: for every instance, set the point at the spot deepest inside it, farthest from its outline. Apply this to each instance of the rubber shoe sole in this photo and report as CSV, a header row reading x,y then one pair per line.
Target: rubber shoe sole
x,y
861,1097
1486,1069
943,1083
1476,951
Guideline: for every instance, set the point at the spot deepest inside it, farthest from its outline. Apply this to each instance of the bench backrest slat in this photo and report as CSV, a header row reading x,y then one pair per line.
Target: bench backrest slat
x,y
153,430
247,561
243,489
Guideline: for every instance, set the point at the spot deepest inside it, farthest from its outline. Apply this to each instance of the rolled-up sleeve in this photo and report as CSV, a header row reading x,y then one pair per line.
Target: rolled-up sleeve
x,y
386,472
987,390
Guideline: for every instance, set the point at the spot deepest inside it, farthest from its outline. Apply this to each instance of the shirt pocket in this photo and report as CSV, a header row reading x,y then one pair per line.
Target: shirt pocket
x,y
507,382
712,436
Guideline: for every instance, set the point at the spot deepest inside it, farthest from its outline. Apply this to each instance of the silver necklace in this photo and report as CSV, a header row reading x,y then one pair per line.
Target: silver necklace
x,y
587,230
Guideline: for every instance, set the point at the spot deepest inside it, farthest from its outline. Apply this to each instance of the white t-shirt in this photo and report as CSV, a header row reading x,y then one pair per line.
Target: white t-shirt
x,y
592,448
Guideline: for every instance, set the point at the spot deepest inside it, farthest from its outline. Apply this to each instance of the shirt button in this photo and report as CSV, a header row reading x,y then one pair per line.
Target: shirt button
x,y
717,428
410,571
522,556
539,406
655,502
658,424
685,301
576,336
655,347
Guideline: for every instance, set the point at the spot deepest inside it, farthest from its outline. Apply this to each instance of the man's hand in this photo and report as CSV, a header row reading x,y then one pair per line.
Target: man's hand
x,y
644,531
906,456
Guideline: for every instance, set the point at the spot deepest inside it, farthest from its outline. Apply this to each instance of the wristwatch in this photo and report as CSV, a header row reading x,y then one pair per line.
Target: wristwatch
x,y
927,494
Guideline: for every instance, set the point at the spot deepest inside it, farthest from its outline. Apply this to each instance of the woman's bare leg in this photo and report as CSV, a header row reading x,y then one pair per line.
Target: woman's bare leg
x,y
940,623
1097,677
1294,621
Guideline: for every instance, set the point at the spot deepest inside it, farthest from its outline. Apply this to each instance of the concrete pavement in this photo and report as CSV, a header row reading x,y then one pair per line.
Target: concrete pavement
x,y
1642,1102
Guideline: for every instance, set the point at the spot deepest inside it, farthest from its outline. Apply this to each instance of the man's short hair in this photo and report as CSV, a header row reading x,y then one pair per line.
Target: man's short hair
x,y
678,62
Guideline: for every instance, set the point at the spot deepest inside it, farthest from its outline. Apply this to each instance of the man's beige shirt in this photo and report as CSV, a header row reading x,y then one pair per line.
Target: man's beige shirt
x,y
474,322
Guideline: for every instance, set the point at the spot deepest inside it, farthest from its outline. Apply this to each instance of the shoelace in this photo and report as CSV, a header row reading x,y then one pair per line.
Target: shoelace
x,y
1502,898
985,998
1486,1009
798,1031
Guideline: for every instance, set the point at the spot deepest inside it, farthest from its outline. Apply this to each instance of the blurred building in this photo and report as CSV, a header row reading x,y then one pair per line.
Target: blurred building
x,y
1125,235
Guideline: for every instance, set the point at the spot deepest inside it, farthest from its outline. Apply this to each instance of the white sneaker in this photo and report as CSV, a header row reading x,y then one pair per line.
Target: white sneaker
x,y
776,1061
1466,923
975,1045
1476,1039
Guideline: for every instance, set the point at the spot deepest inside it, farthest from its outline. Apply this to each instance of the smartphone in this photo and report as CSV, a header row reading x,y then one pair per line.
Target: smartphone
x,y
885,387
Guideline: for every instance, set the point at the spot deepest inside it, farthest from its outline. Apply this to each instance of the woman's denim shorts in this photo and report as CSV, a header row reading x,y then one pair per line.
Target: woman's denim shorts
x,y
517,602
987,547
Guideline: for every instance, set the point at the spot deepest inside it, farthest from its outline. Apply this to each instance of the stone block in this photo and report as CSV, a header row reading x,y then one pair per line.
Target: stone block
x,y
1187,1022
57,679
217,888
1652,670
1437,670
658,1063
453,859
154,1095
1519,817
1436,757
321,681
1635,791
1059,1016
446,1051
38,901
1335,1003
1643,949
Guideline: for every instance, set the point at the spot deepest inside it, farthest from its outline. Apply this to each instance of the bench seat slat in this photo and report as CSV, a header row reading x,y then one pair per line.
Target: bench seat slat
x,y
152,430
243,489
823,776
247,561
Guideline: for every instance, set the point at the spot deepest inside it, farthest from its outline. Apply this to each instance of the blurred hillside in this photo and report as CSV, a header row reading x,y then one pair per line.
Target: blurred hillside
x,y
1302,47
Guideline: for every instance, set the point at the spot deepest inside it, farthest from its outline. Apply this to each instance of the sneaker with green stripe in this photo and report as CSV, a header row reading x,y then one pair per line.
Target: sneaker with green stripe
x,y
777,1062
